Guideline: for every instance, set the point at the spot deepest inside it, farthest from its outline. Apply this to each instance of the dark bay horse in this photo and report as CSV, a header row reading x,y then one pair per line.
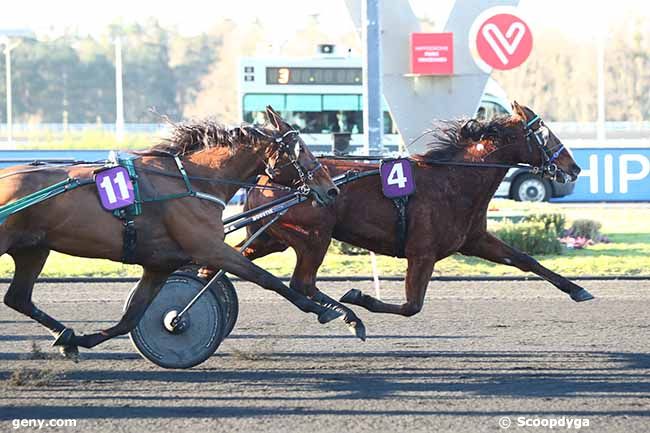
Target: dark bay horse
x,y
447,213
169,233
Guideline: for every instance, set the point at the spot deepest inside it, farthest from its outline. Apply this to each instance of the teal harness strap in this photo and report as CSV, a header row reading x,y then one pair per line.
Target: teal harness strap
x,y
189,193
186,179
128,164
40,196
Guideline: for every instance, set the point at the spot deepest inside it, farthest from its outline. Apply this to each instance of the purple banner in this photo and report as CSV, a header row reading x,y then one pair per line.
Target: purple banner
x,y
115,188
397,178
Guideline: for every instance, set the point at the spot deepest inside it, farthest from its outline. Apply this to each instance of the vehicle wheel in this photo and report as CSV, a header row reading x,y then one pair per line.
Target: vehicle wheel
x,y
530,187
223,288
201,332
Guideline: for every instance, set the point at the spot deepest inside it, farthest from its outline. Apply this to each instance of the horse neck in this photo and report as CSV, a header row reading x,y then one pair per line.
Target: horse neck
x,y
239,164
481,185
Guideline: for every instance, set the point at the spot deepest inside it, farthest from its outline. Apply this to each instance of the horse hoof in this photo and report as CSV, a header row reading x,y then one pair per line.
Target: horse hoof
x,y
70,352
581,295
358,329
328,315
352,296
64,338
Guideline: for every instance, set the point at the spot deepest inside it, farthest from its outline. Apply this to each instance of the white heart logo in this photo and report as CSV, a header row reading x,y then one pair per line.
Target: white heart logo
x,y
516,31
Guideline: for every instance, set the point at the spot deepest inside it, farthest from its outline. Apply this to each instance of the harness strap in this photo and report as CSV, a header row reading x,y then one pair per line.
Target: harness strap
x,y
130,168
352,175
400,204
129,234
181,169
189,193
40,196
532,121
129,242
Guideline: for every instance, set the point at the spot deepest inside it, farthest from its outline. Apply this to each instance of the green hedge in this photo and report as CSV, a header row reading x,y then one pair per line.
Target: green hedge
x,y
585,228
338,247
552,221
534,234
531,237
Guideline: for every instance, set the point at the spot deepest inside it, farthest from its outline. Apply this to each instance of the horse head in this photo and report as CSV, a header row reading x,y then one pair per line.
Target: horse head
x,y
542,148
287,158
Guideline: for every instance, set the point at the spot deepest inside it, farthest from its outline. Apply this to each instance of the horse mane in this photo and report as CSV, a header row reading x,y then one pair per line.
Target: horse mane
x,y
451,137
193,136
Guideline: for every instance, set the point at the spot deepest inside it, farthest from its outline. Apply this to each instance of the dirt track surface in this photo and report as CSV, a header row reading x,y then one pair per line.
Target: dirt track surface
x,y
479,351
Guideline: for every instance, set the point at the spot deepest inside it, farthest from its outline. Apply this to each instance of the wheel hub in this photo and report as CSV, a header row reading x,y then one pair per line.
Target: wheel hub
x,y
532,190
178,327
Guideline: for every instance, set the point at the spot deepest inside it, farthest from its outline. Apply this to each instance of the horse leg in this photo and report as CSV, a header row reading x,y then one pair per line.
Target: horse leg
x,y
29,264
493,249
224,257
145,291
261,247
308,260
418,275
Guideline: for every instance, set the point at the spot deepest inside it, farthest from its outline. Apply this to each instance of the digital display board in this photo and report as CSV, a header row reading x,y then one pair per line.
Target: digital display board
x,y
316,76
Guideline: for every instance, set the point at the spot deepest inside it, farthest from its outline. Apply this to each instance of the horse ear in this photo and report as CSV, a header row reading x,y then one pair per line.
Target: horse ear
x,y
518,110
275,119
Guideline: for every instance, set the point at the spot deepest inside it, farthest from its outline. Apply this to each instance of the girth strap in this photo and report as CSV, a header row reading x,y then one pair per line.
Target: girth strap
x,y
400,204
129,234
127,215
129,241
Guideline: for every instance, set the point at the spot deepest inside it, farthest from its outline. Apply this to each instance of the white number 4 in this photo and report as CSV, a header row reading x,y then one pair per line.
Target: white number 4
x,y
396,176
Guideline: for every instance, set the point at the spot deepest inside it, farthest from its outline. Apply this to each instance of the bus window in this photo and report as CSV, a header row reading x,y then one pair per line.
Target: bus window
x,y
342,121
313,114
388,123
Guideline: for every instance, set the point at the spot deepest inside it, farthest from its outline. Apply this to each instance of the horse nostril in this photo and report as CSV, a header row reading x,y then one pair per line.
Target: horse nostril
x,y
575,170
333,192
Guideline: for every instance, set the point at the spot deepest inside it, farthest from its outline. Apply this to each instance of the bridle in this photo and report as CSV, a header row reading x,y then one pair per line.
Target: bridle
x,y
291,150
549,156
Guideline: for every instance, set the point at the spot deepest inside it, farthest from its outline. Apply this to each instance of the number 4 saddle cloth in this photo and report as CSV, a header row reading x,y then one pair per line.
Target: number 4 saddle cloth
x,y
398,184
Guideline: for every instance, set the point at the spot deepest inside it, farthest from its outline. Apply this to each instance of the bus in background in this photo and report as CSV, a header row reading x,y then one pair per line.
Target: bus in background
x,y
323,95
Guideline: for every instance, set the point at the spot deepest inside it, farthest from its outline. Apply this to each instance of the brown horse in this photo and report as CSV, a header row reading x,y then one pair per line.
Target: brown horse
x,y
447,214
170,233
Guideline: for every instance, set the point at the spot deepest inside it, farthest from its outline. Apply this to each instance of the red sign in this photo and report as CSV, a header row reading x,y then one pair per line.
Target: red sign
x,y
432,53
503,40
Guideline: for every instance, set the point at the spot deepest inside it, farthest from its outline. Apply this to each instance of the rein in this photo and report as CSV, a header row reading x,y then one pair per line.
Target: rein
x,y
547,167
532,168
215,180
529,167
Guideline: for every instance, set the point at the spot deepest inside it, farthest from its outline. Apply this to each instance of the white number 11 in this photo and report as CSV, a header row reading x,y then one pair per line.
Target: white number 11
x,y
120,181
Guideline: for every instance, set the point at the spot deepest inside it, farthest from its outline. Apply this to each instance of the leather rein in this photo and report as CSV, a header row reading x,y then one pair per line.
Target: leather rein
x,y
534,128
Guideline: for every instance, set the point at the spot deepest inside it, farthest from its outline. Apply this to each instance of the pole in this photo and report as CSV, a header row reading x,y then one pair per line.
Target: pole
x,y
375,275
119,92
600,65
373,119
8,48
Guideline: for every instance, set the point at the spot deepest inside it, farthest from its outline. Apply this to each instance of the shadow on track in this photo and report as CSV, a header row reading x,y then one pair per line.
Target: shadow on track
x,y
361,375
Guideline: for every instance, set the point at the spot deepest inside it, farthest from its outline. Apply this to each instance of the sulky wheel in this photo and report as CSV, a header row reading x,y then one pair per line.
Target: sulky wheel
x,y
222,288
194,339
